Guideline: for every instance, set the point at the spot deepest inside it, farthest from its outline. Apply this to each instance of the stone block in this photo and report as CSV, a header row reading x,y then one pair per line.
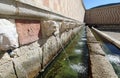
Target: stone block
x,y
46,3
64,37
107,37
91,39
50,49
95,49
72,25
49,28
8,34
70,33
6,66
64,27
101,68
28,30
7,70
76,30
28,62
4,58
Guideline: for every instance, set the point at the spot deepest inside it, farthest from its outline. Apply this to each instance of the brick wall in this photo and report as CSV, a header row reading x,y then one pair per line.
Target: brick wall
x,y
103,15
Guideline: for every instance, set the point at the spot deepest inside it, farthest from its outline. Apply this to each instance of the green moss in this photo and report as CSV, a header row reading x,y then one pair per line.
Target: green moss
x,y
60,68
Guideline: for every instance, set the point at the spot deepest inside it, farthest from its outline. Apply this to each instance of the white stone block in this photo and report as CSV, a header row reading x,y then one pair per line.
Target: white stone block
x,y
7,70
8,34
28,62
6,66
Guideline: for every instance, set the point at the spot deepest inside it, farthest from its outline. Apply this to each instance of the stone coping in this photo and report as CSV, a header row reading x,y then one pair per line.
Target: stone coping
x,y
100,67
109,38
18,9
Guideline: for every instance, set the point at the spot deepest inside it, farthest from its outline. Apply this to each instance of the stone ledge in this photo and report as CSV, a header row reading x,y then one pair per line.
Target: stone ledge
x,y
19,9
95,49
112,40
100,66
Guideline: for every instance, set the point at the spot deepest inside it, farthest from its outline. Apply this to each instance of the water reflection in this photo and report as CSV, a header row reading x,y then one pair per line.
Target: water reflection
x,y
113,55
80,68
73,61
77,51
114,58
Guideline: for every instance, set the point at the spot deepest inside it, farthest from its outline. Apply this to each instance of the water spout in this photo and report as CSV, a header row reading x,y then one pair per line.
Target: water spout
x,y
64,51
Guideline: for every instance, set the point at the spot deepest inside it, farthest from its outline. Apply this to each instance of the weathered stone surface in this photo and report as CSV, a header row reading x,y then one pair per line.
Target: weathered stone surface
x,y
4,58
28,62
49,28
101,68
8,34
7,7
115,35
49,49
76,29
72,25
90,36
109,38
64,27
64,37
7,70
91,39
28,30
70,33
95,49
46,3
35,3
62,7
6,66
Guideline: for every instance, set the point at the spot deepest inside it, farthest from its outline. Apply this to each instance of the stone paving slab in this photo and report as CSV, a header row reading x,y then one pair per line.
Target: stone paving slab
x,y
115,35
108,37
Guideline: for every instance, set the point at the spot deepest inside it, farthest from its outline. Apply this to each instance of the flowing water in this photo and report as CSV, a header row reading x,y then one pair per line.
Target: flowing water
x,y
112,53
72,62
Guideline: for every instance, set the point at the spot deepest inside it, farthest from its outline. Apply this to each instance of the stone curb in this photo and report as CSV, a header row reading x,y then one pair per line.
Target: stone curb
x,y
100,66
112,40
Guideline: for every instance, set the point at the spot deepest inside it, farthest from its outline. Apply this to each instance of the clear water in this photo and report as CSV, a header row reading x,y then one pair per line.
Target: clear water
x,y
113,55
72,62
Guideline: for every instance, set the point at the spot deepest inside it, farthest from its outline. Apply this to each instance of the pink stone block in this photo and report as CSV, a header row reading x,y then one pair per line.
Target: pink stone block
x,y
28,30
46,3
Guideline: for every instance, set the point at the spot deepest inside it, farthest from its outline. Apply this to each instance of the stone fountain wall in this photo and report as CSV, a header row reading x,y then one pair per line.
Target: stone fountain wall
x,y
31,33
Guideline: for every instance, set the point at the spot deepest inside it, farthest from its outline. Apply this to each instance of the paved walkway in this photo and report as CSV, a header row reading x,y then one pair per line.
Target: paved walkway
x,y
115,35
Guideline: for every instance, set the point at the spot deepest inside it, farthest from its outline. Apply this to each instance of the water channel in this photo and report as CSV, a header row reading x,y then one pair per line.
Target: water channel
x,y
112,53
72,62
